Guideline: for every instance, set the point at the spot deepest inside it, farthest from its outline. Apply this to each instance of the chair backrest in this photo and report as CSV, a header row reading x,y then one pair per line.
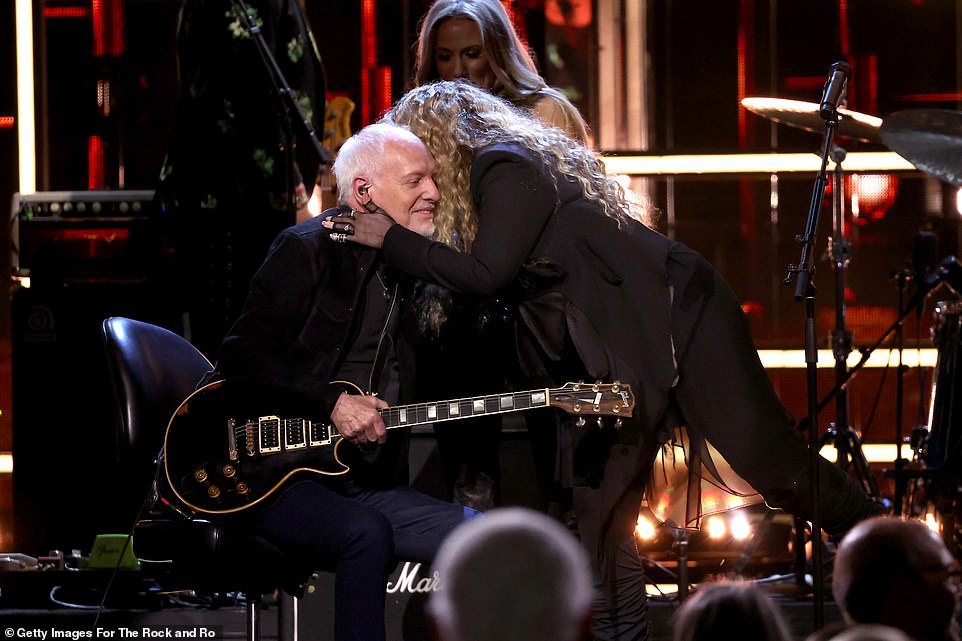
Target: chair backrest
x,y
152,371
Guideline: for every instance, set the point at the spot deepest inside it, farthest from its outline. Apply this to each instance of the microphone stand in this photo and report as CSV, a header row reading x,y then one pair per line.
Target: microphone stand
x,y
281,87
804,273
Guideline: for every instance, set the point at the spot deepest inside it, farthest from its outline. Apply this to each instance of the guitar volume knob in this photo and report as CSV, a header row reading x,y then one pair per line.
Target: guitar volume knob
x,y
200,476
229,471
243,488
213,491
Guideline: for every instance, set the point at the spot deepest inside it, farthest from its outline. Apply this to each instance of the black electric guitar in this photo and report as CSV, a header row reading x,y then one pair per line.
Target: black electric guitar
x,y
221,460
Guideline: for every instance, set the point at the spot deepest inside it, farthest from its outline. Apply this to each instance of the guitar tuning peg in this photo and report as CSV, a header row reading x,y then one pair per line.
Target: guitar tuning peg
x,y
616,386
618,423
596,386
600,423
580,422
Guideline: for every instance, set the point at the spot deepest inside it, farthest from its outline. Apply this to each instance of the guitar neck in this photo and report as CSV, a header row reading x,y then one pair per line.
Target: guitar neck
x,y
425,413
269,434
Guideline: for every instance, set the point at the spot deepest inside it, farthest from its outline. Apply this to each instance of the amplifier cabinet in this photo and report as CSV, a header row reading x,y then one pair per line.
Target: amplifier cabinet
x,y
83,235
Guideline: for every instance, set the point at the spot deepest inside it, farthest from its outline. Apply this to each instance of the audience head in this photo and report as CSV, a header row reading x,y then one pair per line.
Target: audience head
x,y
898,573
390,166
512,575
871,632
729,610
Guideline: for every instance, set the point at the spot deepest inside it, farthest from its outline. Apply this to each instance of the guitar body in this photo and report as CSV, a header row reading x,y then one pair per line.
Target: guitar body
x,y
337,129
224,455
221,459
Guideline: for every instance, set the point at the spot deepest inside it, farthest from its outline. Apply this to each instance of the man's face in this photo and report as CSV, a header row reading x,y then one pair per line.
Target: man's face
x,y
404,186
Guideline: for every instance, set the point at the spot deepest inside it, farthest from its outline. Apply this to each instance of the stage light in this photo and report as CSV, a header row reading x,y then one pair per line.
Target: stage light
x,y
749,163
26,134
645,528
871,196
740,528
932,523
715,527
795,358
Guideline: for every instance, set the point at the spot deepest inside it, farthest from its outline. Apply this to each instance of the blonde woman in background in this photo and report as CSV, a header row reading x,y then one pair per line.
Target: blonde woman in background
x,y
475,40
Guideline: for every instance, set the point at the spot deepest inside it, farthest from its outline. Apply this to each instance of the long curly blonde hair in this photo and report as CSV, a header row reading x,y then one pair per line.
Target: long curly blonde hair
x,y
456,120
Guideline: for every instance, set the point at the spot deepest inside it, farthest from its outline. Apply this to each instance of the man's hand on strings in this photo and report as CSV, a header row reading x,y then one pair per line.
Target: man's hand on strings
x,y
357,418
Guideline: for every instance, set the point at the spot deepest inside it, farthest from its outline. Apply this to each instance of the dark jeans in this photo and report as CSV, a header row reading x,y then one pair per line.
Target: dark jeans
x,y
359,534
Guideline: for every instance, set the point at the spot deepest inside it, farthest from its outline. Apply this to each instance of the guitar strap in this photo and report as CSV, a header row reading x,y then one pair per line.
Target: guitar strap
x,y
386,347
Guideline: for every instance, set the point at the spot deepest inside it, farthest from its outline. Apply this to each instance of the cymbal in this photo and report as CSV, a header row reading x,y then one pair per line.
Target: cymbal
x,y
804,115
930,139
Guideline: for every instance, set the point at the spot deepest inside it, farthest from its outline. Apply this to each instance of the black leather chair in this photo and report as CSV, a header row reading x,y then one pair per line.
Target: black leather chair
x,y
152,371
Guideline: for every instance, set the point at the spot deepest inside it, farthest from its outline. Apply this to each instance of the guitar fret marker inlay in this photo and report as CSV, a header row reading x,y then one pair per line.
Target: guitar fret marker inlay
x,y
507,402
432,411
479,405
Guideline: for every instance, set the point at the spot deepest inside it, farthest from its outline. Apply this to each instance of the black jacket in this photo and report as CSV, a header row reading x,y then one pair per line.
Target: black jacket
x,y
299,321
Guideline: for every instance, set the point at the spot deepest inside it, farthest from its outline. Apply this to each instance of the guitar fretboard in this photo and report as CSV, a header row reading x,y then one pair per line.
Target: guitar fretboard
x,y
272,434
423,413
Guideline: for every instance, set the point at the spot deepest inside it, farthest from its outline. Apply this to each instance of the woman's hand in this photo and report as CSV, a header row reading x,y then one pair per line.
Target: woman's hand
x,y
360,227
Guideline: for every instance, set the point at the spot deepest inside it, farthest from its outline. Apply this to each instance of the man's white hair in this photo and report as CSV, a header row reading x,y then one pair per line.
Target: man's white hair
x,y
363,154
513,574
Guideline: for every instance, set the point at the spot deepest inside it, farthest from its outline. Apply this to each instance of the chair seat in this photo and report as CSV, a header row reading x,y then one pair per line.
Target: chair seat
x,y
209,557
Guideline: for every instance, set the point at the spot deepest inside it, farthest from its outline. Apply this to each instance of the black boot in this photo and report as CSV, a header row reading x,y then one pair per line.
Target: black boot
x,y
843,503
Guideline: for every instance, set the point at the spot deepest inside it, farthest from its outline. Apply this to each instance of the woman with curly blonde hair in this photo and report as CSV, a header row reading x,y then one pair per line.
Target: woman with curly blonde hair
x,y
596,295
481,125
475,40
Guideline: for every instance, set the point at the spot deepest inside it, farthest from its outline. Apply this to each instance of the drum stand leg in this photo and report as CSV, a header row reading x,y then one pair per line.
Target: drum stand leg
x,y
850,457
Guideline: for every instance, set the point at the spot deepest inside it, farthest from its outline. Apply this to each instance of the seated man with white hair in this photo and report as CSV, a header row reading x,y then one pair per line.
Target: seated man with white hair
x,y
514,575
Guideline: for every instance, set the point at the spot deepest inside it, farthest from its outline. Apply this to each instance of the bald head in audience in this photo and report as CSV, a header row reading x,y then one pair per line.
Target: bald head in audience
x,y
898,573
512,575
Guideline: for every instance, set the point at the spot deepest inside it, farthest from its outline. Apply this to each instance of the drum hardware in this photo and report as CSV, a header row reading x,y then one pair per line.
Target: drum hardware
x,y
806,115
930,139
938,449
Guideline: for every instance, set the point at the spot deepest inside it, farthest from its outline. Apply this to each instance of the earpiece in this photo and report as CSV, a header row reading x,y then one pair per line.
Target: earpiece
x,y
362,190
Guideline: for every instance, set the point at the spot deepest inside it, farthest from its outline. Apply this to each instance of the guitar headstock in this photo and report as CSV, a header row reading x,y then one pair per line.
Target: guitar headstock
x,y
594,399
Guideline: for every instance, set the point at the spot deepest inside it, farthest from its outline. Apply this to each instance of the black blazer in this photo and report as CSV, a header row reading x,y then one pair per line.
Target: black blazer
x,y
299,321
